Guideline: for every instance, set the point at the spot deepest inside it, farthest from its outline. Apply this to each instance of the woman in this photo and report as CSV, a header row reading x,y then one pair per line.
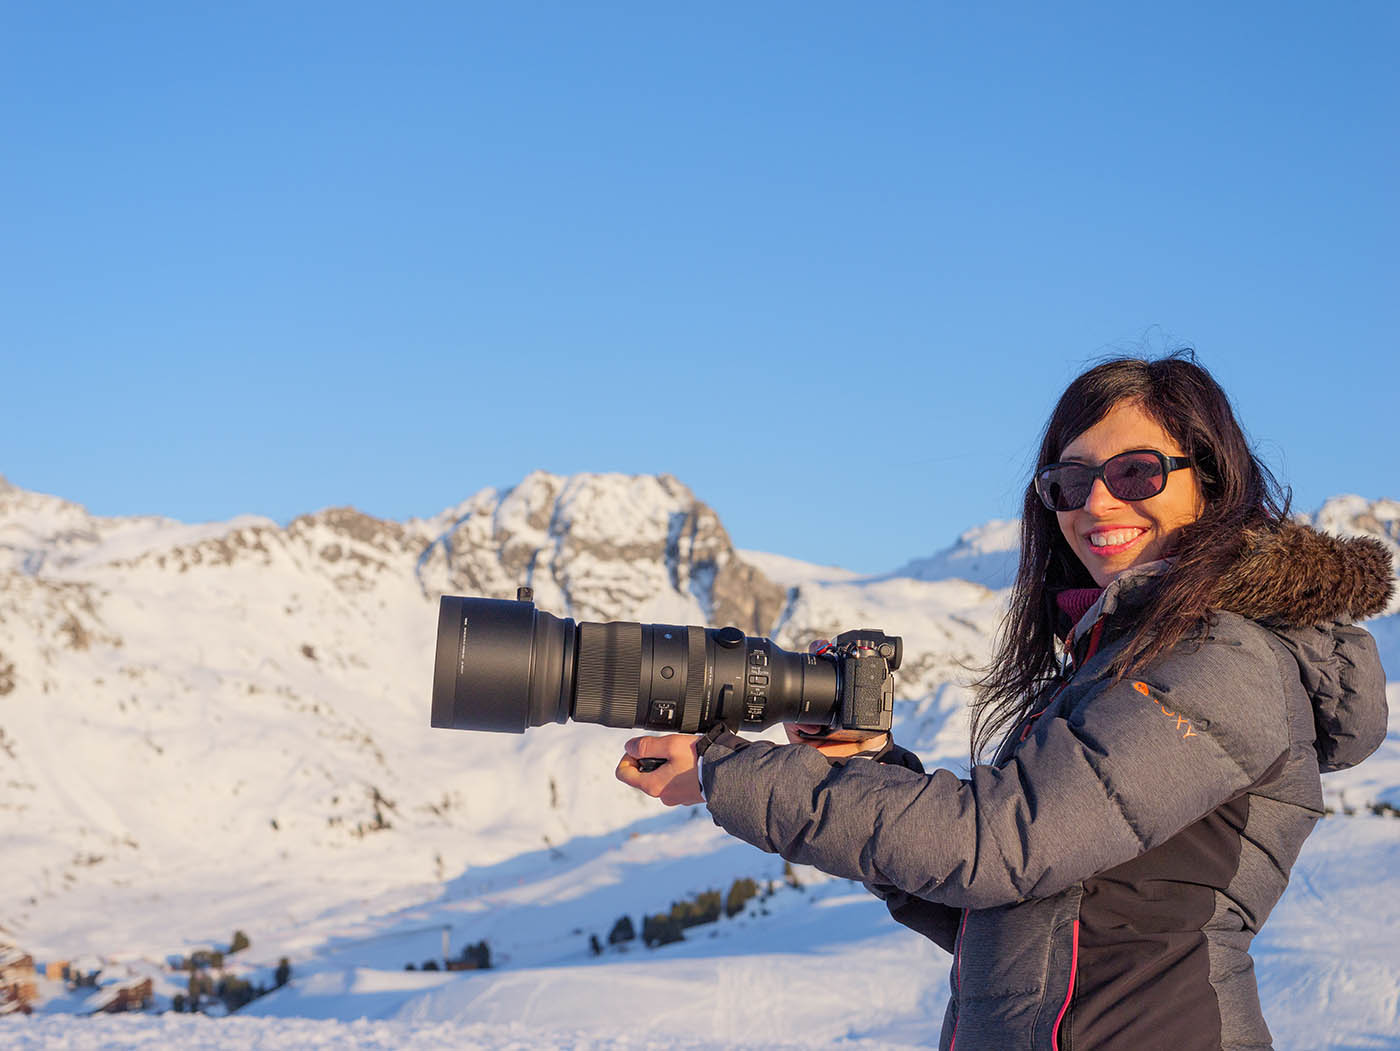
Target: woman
x,y
1174,672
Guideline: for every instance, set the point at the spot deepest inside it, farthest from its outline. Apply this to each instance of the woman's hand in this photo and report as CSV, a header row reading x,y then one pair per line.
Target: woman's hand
x,y
839,743
676,782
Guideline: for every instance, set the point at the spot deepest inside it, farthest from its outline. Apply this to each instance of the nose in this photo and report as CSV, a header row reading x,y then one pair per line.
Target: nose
x,y
1100,498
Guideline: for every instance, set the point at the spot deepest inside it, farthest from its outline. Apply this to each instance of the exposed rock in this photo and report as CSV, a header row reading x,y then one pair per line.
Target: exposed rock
x,y
602,547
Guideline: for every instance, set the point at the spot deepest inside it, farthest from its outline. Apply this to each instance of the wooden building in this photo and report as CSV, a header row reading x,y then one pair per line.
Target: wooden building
x,y
126,996
19,987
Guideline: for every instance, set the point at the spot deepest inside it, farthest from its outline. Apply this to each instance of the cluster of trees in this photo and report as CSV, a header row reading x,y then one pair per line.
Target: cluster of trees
x,y
473,957
663,928
200,960
234,992
667,927
1380,809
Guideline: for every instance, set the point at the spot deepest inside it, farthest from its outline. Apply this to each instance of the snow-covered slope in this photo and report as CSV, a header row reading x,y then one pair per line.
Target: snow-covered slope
x,y
224,726
985,554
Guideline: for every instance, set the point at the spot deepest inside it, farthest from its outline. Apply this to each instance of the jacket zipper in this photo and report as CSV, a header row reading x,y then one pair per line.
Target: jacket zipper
x,y
957,976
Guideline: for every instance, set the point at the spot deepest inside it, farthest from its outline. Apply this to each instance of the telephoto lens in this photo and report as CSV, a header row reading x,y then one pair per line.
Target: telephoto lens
x,y
506,666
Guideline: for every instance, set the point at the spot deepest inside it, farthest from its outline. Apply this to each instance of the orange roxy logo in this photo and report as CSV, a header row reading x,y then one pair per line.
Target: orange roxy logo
x,y
1182,723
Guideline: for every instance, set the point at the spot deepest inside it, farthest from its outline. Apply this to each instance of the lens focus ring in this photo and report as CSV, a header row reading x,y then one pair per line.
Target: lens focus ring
x,y
694,679
609,673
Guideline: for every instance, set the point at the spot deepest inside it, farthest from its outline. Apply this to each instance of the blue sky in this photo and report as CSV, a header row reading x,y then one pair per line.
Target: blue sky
x,y
828,264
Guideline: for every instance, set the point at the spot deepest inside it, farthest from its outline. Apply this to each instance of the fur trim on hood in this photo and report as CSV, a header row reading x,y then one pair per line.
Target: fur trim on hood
x,y
1298,577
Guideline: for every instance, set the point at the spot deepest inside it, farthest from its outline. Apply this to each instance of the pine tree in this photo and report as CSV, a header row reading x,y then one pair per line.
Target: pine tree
x,y
622,931
707,907
283,974
477,955
239,943
661,929
740,891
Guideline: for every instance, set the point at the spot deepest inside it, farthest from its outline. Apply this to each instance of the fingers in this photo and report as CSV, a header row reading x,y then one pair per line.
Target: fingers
x,y
673,783
628,773
668,747
647,747
839,745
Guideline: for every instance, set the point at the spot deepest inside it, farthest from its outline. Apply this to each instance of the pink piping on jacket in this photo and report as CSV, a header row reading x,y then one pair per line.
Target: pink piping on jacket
x,y
1069,993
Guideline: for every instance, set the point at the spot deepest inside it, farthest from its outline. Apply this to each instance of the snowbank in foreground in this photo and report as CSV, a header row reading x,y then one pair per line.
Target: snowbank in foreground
x,y
194,1033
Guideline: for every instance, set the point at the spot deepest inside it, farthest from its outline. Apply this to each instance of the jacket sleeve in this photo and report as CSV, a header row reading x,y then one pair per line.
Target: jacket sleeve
x,y
1129,765
938,923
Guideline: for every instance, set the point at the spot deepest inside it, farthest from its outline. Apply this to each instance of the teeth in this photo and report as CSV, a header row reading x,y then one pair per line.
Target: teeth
x,y
1119,536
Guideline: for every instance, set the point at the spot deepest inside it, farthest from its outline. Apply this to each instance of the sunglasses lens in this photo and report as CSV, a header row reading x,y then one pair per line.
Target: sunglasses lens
x,y
1064,488
1129,476
1134,476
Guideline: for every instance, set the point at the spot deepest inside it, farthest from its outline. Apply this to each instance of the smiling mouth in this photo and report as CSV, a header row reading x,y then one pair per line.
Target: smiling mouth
x,y
1113,541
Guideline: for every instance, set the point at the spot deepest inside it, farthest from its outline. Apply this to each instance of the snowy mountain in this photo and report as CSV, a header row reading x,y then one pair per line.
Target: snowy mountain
x,y
986,554
223,726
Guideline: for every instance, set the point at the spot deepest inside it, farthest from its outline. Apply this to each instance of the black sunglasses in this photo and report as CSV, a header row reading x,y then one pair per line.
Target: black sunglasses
x,y
1134,475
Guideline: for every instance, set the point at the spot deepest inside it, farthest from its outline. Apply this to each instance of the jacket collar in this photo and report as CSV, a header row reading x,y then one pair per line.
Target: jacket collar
x,y
1128,590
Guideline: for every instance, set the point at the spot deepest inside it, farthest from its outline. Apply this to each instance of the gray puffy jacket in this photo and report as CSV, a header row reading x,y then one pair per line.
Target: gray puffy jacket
x,y
1100,882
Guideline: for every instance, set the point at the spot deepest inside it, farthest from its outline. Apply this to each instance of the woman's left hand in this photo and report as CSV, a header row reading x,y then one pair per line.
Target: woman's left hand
x,y
676,782
838,745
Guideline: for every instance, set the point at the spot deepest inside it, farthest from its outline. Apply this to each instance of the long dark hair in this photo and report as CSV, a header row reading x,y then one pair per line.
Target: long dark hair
x,y
1239,494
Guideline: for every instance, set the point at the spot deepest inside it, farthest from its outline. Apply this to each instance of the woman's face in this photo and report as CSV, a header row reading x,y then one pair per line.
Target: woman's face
x,y
1110,535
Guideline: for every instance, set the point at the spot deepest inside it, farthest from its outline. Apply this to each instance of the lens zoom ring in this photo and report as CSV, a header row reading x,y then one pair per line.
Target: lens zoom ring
x,y
694,679
609,673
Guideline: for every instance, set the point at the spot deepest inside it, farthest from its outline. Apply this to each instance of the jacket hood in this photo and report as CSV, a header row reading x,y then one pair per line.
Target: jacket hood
x,y
1339,667
1304,586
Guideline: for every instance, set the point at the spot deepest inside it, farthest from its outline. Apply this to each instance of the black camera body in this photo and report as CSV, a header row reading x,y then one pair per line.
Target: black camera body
x,y
506,666
869,658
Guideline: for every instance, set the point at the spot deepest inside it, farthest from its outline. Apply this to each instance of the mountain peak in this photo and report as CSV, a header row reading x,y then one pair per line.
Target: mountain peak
x,y
599,547
986,554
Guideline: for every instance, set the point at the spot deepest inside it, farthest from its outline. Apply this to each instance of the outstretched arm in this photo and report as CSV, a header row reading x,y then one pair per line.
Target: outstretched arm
x,y
1127,768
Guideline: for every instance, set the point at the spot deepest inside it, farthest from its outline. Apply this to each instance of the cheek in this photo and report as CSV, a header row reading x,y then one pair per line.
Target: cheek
x,y
1187,505
1065,520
